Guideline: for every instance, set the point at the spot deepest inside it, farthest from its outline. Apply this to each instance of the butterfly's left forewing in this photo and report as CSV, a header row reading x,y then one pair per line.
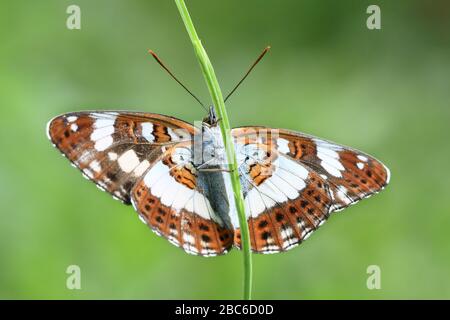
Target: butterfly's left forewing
x,y
115,149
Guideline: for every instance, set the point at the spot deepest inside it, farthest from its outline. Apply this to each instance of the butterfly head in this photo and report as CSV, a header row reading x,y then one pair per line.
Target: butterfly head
x,y
211,120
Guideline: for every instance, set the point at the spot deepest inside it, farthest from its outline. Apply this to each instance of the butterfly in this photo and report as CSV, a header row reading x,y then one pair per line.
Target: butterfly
x,y
174,174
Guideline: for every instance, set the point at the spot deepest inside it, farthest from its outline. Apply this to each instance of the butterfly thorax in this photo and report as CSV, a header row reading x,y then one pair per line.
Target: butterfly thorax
x,y
211,119
212,178
212,150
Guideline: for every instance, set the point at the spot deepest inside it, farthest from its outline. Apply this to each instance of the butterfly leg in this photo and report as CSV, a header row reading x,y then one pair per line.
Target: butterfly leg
x,y
215,170
201,166
211,169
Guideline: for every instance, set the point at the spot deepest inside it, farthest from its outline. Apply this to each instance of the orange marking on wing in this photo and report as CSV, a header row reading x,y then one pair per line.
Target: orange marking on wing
x,y
285,225
371,177
261,171
67,140
300,147
160,133
209,237
126,127
180,174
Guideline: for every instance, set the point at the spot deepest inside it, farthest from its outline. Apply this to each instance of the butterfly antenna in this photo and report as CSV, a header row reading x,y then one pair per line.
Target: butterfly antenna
x,y
175,78
263,53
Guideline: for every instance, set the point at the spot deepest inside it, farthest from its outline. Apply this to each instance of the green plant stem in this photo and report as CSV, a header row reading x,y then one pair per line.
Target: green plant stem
x,y
219,105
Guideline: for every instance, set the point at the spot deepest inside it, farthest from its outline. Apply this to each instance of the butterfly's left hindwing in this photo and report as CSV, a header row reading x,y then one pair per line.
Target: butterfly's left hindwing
x,y
115,149
170,200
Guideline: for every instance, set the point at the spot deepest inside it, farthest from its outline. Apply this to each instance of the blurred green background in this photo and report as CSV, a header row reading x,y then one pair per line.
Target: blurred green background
x,y
383,91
